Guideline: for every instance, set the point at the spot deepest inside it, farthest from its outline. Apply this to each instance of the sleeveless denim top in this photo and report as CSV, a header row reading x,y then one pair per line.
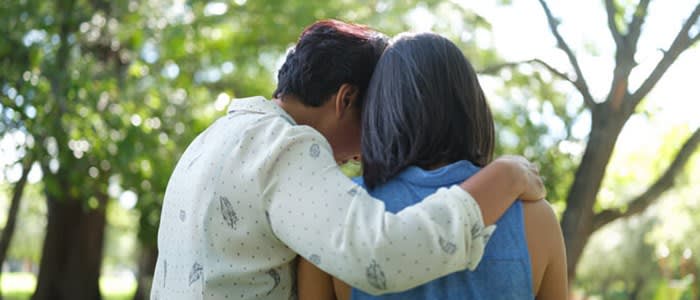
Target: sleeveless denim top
x,y
504,271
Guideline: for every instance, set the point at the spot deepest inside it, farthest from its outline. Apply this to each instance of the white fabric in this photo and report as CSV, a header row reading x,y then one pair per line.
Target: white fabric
x,y
255,189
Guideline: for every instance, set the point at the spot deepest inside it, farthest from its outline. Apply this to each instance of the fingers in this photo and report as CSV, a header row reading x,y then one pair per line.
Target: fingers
x,y
540,183
536,189
542,189
534,185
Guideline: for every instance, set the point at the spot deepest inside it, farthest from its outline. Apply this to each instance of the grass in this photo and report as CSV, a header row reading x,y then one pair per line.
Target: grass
x,y
20,286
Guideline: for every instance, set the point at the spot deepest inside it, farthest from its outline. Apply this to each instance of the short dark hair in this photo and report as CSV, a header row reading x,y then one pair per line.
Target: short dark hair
x,y
328,54
424,107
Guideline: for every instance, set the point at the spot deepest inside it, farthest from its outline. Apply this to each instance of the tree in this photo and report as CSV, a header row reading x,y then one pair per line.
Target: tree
x,y
608,118
64,79
581,217
72,251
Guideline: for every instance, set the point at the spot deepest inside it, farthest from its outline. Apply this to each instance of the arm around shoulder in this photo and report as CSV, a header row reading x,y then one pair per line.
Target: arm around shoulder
x,y
499,183
322,215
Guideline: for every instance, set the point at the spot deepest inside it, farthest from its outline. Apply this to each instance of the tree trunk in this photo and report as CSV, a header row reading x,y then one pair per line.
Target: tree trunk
x,y
72,253
636,289
9,229
147,265
576,223
605,287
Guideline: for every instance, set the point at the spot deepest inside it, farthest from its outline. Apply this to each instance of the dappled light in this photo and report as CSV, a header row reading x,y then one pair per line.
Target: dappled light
x,y
99,99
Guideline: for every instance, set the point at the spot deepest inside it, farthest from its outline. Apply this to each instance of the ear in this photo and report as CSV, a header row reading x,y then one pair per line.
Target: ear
x,y
346,99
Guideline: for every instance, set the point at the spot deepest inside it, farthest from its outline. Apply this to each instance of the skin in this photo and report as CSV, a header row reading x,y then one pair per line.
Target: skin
x,y
547,252
338,120
545,244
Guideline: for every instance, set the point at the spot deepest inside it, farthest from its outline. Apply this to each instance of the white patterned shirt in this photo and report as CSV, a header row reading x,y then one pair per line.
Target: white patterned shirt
x,y
255,189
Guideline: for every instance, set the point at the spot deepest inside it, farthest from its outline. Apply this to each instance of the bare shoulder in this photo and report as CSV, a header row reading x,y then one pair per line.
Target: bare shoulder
x,y
540,216
541,229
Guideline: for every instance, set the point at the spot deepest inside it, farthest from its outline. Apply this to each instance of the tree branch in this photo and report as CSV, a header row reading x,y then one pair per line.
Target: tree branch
x,y
17,191
635,26
662,184
492,70
580,81
624,58
682,42
614,31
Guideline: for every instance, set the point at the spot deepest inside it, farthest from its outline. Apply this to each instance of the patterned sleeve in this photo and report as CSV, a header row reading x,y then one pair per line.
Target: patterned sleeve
x,y
332,222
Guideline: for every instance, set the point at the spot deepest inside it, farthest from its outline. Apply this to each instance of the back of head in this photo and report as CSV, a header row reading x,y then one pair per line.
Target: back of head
x,y
328,54
424,107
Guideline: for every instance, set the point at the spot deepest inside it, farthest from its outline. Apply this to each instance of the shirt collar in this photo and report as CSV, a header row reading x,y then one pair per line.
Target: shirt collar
x,y
259,105
453,173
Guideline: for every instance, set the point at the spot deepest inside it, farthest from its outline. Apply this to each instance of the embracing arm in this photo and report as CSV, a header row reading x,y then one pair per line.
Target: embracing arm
x,y
336,225
498,181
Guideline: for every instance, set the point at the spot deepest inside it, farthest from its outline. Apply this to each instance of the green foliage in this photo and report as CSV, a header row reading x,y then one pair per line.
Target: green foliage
x,y
619,260
110,92
657,247
535,118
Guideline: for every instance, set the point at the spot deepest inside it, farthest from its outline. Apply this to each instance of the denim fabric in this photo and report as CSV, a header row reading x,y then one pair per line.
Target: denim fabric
x,y
504,272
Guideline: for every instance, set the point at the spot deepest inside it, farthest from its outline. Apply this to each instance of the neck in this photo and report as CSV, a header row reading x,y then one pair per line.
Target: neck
x,y
302,114
436,166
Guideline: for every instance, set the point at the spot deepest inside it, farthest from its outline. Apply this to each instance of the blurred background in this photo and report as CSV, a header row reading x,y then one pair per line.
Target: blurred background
x,y
99,98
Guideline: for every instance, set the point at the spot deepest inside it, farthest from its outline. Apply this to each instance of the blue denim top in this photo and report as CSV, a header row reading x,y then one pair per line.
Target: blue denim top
x,y
504,271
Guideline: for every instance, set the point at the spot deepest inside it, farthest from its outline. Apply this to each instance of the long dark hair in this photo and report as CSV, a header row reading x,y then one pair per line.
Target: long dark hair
x,y
424,107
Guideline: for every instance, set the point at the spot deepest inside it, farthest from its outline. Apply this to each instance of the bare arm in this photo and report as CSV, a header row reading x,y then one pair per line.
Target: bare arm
x,y
312,283
547,252
497,185
555,281
342,290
